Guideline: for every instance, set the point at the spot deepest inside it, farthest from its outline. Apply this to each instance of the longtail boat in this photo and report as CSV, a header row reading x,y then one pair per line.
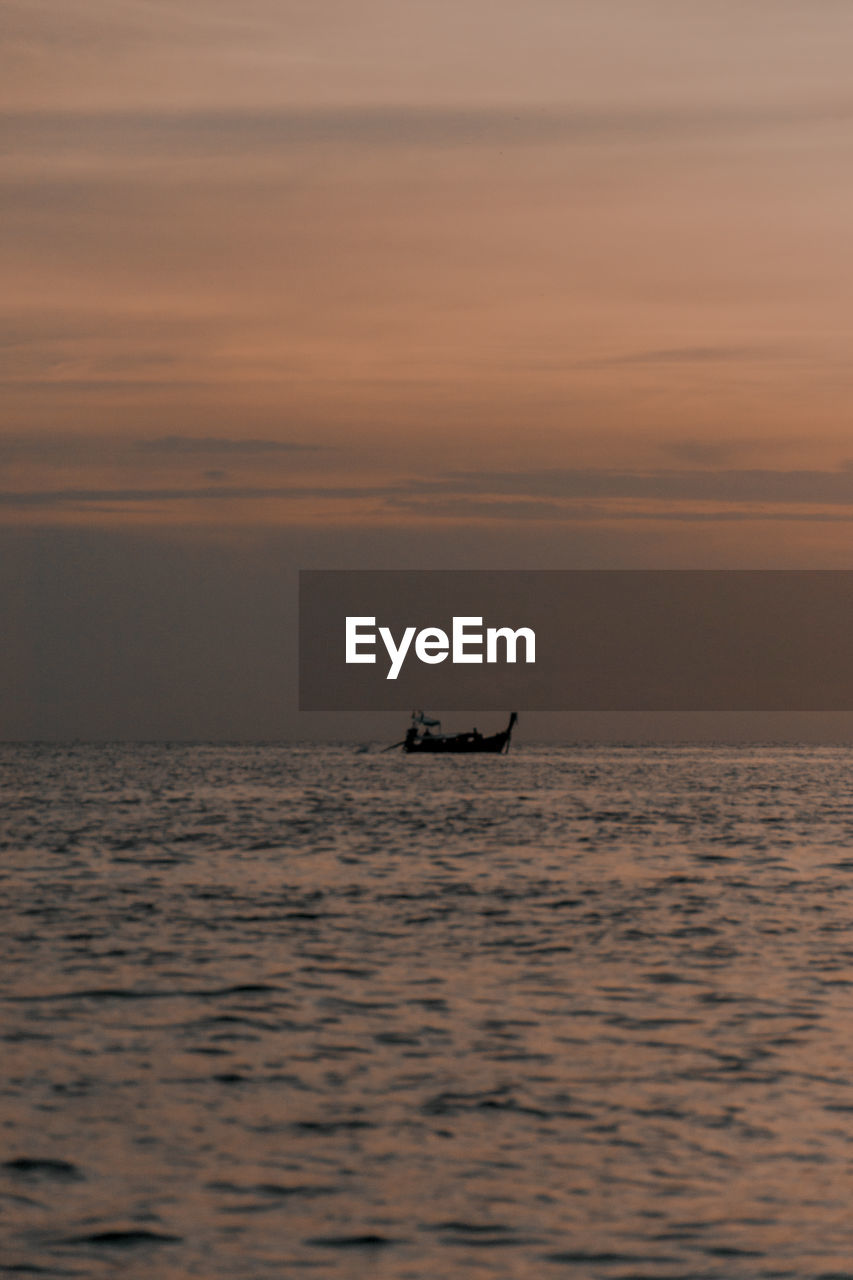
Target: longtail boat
x,y
420,738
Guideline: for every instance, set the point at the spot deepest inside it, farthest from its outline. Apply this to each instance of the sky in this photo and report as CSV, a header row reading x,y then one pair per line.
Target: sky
x,y
563,284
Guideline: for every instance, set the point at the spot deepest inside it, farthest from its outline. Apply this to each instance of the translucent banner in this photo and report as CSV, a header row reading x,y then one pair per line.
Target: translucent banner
x,y
576,640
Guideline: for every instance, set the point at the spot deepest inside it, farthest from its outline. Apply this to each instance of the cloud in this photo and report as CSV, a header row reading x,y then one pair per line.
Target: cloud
x,y
92,497
686,355
64,385
711,453
677,485
468,508
574,512
182,446
241,132
576,494
74,446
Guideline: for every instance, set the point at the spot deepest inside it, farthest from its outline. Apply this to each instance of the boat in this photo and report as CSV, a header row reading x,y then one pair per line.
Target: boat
x,y
420,738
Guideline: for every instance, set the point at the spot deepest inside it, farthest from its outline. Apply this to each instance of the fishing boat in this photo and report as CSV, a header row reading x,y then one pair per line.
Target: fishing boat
x,y
421,738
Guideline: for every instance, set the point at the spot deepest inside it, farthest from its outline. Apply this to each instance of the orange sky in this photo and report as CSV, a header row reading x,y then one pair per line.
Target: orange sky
x,y
561,265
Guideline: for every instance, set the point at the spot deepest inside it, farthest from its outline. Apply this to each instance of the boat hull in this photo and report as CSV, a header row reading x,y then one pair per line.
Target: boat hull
x,y
459,744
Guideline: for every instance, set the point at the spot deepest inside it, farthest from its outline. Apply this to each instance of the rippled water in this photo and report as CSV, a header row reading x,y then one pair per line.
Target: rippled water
x,y
272,1011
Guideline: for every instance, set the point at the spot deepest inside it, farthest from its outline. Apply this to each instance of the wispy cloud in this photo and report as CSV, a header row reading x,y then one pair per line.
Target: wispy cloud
x,y
240,132
190,446
469,509
710,453
52,448
579,494
722,485
89,497
711,354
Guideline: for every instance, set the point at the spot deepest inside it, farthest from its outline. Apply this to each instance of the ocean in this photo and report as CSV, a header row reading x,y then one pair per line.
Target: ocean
x,y
277,1010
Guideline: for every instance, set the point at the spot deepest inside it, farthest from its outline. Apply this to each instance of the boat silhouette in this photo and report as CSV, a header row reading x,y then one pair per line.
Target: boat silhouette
x,y
420,738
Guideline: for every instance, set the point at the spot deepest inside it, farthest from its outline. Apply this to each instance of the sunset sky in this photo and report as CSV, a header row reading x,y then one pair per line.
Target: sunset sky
x,y
480,284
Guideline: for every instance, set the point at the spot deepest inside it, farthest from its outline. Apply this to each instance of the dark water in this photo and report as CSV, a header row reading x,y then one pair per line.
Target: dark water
x,y
277,1011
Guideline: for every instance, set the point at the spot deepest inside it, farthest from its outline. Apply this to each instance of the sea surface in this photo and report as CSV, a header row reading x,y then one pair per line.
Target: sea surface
x,y
575,1012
